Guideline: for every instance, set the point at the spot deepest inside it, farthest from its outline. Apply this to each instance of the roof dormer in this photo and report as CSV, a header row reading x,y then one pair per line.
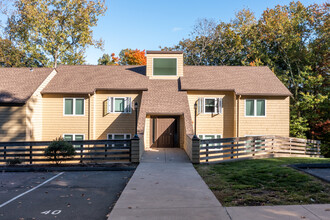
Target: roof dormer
x,y
164,64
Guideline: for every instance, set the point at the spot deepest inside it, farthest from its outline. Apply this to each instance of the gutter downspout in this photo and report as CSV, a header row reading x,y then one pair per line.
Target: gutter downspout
x,y
237,120
89,116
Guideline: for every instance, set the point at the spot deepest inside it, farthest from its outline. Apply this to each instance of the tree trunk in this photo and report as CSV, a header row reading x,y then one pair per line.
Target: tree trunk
x,y
55,60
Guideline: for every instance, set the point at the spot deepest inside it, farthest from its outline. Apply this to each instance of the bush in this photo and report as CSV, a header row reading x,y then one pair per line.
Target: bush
x,y
59,150
14,161
325,149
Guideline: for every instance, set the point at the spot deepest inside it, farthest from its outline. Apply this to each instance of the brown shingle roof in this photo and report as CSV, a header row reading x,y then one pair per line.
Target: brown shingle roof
x,y
86,79
18,84
164,98
243,80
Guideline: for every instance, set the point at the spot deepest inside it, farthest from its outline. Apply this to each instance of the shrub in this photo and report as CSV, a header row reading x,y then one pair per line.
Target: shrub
x,y
325,149
59,150
14,161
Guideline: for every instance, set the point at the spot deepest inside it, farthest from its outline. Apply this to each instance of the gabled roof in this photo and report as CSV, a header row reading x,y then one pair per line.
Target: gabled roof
x,y
244,80
164,97
85,79
18,84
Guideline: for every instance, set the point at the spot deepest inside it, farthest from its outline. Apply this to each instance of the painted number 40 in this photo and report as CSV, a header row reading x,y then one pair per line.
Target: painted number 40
x,y
55,212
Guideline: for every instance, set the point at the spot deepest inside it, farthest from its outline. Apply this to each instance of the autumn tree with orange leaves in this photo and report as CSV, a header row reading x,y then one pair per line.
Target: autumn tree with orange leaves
x,y
108,60
132,57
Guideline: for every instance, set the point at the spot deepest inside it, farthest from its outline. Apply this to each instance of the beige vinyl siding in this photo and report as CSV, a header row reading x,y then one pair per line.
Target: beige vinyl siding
x,y
34,112
12,123
147,132
214,123
150,65
114,122
276,121
54,122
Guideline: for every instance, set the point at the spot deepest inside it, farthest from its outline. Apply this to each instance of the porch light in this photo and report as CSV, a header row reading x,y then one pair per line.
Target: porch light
x,y
195,107
136,106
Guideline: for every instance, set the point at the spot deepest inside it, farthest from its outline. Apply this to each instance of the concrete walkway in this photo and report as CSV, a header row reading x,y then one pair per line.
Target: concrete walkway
x,y
166,186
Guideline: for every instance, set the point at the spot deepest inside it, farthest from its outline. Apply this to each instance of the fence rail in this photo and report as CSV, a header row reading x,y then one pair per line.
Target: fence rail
x,y
85,151
239,148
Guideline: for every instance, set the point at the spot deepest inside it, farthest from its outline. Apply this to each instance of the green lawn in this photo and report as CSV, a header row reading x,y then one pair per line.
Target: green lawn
x,y
265,182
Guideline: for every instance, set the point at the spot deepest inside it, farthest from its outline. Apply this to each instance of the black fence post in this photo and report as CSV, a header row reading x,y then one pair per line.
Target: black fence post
x,y
207,152
81,153
30,154
105,150
4,153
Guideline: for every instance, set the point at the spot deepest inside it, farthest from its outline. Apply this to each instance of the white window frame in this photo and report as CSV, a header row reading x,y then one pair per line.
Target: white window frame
x,y
215,105
255,108
74,138
125,104
207,139
208,134
74,107
113,135
177,69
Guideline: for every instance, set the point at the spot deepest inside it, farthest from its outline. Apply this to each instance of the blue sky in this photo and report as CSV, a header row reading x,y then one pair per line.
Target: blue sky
x,y
148,24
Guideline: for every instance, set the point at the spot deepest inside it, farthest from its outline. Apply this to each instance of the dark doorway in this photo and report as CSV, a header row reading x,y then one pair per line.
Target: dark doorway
x,y
164,131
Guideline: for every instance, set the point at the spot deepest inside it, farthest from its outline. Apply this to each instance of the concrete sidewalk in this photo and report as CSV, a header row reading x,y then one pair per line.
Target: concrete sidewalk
x,y
166,186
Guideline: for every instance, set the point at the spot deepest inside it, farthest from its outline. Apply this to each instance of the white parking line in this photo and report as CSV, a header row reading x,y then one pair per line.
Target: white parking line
x,y
30,190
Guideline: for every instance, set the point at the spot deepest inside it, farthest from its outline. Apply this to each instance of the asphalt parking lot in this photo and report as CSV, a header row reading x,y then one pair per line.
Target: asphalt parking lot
x,y
60,195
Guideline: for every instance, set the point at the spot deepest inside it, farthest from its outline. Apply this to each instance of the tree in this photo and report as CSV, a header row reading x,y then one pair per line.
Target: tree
x,y
10,56
293,40
132,57
60,29
108,60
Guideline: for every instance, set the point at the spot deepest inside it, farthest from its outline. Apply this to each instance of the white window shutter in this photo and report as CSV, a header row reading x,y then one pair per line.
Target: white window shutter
x,y
220,105
128,105
110,104
200,105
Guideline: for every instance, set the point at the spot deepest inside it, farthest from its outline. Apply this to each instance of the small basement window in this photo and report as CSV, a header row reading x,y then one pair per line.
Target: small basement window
x,y
74,106
119,137
164,66
74,137
255,107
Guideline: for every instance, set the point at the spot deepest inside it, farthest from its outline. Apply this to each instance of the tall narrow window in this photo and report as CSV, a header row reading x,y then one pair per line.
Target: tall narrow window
x,y
79,106
164,66
68,109
260,107
249,108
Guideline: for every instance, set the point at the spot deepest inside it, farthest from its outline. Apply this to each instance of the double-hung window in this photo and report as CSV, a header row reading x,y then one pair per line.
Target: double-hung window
x,y
119,137
210,105
74,106
255,107
74,137
119,105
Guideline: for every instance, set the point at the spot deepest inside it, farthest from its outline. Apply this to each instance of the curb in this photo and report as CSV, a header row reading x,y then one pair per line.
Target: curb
x,y
50,169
